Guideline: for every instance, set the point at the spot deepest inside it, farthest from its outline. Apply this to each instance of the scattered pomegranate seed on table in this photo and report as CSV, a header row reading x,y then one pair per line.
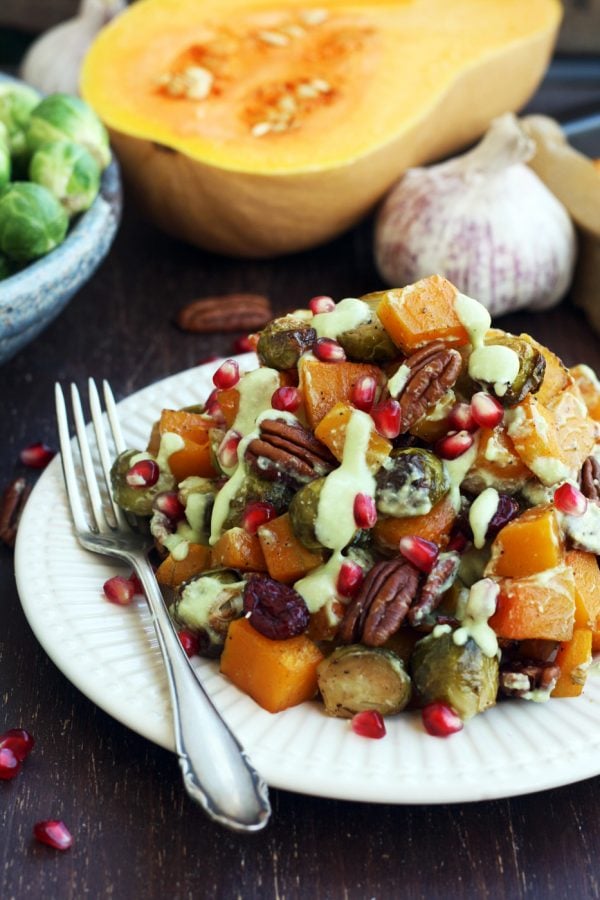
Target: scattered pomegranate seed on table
x,y
36,456
570,500
369,723
256,514
19,741
189,642
54,833
119,590
286,399
363,393
227,375
10,765
440,720
388,418
365,511
321,304
461,418
328,350
144,473
350,577
486,410
454,444
420,552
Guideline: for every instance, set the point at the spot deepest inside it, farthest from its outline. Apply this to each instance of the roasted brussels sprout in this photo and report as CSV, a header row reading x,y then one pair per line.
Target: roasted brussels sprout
x,y
369,342
32,221
207,604
252,489
16,103
303,513
69,172
532,367
355,678
198,497
410,482
136,500
461,676
64,117
283,341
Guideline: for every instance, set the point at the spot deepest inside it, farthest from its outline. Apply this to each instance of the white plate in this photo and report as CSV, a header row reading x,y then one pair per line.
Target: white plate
x,y
110,653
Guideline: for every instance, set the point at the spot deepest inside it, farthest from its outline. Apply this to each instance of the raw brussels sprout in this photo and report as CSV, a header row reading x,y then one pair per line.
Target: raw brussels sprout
x,y
410,482
303,513
283,341
532,367
461,676
61,116
69,172
207,603
369,341
16,103
136,500
252,489
32,221
356,678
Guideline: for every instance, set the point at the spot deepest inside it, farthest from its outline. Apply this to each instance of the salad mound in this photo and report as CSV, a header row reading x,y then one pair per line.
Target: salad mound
x,y
399,508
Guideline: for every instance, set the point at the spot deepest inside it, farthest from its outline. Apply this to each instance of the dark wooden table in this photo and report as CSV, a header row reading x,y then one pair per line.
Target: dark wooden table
x,y
136,833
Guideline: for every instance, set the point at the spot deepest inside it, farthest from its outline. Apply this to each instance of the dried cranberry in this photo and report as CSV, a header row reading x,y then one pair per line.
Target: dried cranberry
x,y
507,509
276,610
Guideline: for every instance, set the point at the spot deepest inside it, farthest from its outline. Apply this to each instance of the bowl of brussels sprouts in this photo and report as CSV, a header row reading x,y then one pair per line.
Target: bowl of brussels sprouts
x,y
60,205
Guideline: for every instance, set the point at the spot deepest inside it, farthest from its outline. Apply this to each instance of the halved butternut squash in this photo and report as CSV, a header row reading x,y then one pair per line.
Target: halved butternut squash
x,y
256,130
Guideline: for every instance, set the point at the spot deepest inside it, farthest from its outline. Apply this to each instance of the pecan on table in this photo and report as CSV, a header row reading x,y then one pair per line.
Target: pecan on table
x,y
290,453
433,371
441,577
519,677
382,603
230,312
11,507
590,479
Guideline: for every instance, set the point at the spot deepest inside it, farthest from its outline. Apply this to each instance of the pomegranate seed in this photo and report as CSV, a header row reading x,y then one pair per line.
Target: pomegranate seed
x,y
387,417
486,410
461,418
458,542
287,399
54,833
369,723
243,344
363,393
454,444
19,741
10,765
569,499
227,453
365,511
36,456
119,590
328,350
169,504
321,304
190,642
137,584
350,577
143,474
257,514
212,405
420,552
227,375
440,720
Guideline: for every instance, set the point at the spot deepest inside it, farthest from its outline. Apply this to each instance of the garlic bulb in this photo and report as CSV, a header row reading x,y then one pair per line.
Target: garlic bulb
x,y
485,221
52,63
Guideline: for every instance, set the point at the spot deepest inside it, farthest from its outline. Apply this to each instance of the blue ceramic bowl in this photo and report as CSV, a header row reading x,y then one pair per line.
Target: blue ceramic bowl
x,y
32,298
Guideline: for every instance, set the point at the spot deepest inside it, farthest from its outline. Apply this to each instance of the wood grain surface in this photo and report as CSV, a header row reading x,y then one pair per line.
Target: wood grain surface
x,y
136,833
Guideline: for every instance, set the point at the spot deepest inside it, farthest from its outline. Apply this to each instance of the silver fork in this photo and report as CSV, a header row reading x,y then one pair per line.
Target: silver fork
x,y
216,771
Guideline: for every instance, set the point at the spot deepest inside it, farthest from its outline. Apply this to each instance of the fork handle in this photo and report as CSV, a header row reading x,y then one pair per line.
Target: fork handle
x,y
216,771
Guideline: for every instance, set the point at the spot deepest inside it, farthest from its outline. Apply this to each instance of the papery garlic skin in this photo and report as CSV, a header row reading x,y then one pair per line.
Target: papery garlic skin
x,y
53,62
483,220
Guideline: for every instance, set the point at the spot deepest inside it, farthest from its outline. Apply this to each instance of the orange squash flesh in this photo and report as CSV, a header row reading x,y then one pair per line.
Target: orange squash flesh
x,y
205,172
538,607
422,312
323,384
497,460
433,526
276,674
173,572
556,375
331,431
587,588
237,549
573,658
195,456
588,384
529,544
286,558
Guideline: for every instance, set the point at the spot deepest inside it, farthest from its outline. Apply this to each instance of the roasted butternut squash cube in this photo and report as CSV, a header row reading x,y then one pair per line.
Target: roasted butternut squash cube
x,y
422,312
323,384
573,658
195,457
539,607
433,526
287,559
527,545
276,674
172,571
556,374
497,463
589,386
331,431
238,549
587,588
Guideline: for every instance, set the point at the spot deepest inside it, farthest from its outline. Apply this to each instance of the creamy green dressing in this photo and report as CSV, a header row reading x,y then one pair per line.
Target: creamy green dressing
x,y
457,470
584,530
319,586
398,380
482,511
495,365
347,315
480,605
255,389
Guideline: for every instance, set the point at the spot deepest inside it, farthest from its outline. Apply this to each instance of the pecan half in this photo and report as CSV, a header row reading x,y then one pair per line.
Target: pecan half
x,y
519,677
441,577
285,452
433,371
590,479
229,312
11,507
382,603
